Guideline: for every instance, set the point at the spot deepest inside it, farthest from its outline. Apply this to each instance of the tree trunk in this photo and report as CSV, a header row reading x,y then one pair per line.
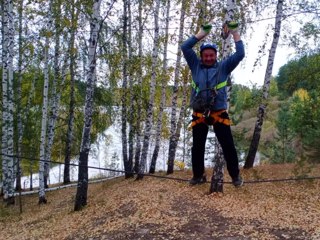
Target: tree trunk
x,y
182,113
139,102
218,170
28,120
173,124
163,94
4,30
132,95
72,54
124,111
42,197
266,85
149,116
18,99
55,101
82,187
7,102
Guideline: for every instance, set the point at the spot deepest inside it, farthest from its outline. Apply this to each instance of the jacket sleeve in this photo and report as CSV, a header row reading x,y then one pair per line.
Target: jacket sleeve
x,y
232,62
189,53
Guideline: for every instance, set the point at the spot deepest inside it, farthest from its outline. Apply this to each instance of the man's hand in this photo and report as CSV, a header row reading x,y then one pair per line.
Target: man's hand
x,y
204,31
231,28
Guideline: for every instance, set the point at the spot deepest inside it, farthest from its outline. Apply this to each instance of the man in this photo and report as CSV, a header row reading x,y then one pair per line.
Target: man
x,y
209,101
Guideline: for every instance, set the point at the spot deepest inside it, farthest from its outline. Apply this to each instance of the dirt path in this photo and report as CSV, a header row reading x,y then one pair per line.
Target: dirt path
x,y
166,209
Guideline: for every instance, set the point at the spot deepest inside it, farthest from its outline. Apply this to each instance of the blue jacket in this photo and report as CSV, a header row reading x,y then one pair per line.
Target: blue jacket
x,y
207,78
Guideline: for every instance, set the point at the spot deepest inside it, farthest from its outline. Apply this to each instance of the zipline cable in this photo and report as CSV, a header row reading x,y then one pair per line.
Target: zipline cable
x,y
164,177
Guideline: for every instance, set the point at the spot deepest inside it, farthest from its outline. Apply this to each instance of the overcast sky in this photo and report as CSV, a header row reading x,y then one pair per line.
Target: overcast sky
x,y
246,73
243,73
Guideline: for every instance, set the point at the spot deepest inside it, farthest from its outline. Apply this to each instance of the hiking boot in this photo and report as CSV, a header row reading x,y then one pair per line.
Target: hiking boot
x,y
237,182
199,180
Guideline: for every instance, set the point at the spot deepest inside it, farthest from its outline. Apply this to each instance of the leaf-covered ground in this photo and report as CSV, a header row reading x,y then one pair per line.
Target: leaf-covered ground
x,y
156,208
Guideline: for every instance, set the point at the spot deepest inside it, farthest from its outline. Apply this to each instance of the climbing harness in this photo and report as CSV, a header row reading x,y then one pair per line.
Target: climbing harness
x,y
217,87
209,118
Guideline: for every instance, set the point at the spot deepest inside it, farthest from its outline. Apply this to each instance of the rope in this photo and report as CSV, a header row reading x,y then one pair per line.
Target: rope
x,y
165,177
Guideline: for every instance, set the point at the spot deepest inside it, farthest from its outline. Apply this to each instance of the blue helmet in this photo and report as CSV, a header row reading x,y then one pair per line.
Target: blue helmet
x,y
207,45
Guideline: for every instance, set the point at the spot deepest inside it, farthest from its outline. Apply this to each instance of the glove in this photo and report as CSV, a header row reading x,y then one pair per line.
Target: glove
x,y
229,27
204,31
232,26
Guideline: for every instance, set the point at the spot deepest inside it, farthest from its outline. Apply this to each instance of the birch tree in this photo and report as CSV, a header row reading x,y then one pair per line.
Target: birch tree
x,y
149,116
218,173
163,93
42,197
56,93
72,54
19,97
173,122
4,19
124,91
139,101
266,85
7,102
82,186
132,95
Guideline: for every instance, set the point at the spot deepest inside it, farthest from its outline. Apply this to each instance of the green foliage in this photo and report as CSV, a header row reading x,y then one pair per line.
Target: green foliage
x,y
302,73
273,90
281,149
30,102
304,122
243,98
241,143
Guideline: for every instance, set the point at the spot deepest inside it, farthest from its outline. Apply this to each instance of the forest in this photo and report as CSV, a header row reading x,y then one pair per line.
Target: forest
x,y
70,68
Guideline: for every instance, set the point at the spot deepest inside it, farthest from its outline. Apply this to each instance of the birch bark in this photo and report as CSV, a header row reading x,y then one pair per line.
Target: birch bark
x,y
56,93
82,186
19,97
266,85
139,102
124,91
72,55
173,122
7,102
218,173
130,80
163,93
149,116
44,120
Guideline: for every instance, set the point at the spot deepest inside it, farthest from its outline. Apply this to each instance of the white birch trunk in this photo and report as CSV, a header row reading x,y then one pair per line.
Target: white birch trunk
x,y
27,120
4,144
218,173
132,94
163,93
55,101
173,123
42,196
72,54
266,85
18,99
82,187
149,116
139,102
7,102
124,91
11,159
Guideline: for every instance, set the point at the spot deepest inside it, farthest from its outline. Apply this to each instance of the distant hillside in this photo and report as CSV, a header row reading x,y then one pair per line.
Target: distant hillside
x,y
249,118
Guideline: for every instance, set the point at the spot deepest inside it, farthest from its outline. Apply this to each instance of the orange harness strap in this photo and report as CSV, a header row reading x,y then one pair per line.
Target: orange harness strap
x,y
214,115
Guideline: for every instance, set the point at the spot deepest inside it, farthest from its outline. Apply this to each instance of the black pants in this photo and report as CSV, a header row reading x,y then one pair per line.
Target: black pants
x,y
224,136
